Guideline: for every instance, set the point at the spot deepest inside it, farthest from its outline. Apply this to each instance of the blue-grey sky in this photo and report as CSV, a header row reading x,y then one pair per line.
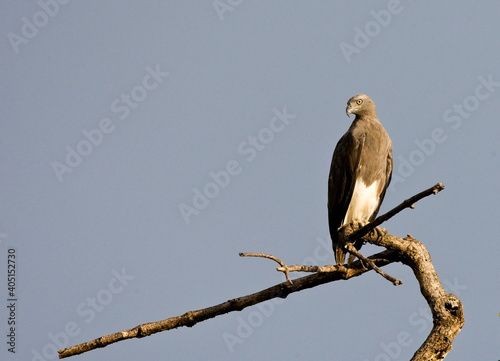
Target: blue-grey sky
x,y
144,144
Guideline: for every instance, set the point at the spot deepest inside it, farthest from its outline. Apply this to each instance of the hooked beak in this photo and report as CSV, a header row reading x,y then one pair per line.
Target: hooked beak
x,y
348,111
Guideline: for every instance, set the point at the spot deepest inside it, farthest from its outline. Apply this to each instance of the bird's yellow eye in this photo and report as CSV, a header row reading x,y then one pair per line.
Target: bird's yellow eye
x,y
359,101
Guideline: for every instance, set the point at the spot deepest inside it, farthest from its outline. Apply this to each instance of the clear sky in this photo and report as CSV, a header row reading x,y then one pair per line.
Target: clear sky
x,y
144,144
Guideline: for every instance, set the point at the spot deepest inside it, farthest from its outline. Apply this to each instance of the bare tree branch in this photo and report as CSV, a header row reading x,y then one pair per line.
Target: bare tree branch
x,y
270,256
372,265
446,308
191,318
352,236
407,203
311,269
329,268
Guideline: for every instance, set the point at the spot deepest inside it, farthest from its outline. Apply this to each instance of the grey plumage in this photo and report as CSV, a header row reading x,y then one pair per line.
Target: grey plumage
x,y
360,172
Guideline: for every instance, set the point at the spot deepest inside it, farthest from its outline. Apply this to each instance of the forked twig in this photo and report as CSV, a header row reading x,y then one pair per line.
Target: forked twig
x,y
371,265
270,256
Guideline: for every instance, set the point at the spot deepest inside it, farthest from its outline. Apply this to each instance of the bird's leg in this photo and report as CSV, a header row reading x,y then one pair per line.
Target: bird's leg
x,y
352,245
343,242
361,259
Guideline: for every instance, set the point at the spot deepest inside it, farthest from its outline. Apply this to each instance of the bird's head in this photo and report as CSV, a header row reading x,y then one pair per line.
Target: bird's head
x,y
360,104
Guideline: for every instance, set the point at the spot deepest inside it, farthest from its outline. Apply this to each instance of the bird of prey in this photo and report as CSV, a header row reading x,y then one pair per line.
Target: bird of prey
x,y
360,173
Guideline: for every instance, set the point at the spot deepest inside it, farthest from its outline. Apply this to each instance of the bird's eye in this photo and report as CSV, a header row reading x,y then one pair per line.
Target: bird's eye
x,y
359,101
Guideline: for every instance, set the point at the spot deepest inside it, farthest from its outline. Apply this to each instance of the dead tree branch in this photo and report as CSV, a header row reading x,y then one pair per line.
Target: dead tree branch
x,y
372,265
270,256
191,318
446,308
407,203
328,268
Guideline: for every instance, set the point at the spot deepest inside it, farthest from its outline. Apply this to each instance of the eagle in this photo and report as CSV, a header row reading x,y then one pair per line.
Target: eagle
x,y
360,173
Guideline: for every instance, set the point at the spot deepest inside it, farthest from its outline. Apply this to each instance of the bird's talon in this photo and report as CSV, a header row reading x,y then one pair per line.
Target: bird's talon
x,y
380,232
